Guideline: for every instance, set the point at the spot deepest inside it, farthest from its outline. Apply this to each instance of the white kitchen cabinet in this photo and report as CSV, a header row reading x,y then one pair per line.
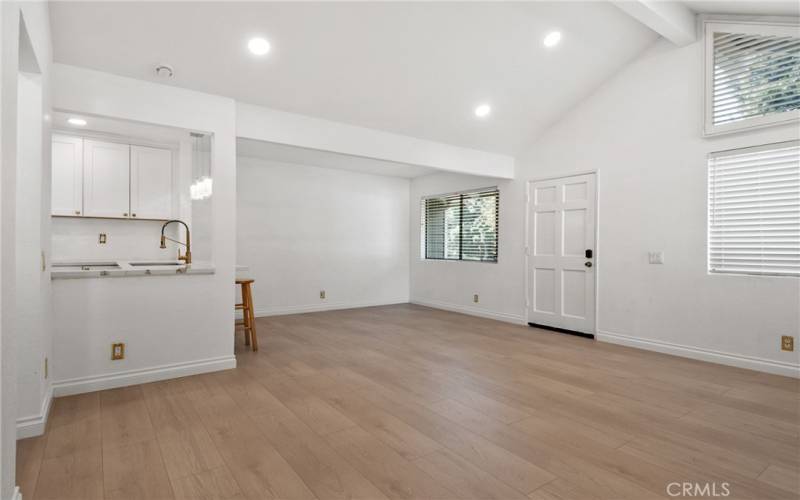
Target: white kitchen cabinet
x,y
95,178
151,183
67,184
106,179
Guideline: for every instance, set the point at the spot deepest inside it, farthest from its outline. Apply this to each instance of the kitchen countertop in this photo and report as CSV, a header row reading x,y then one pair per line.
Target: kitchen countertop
x,y
126,268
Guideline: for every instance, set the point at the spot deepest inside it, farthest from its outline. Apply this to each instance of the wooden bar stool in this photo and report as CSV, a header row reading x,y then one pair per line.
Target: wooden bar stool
x,y
249,319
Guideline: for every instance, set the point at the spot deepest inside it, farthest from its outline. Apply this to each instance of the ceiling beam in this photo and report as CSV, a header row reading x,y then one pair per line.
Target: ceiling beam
x,y
673,20
270,125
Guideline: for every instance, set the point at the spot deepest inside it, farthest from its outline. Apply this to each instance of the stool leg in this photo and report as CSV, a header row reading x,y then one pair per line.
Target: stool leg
x,y
252,316
245,316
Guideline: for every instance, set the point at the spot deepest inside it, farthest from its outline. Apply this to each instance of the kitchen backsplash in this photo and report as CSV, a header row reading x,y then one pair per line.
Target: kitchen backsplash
x,y
79,239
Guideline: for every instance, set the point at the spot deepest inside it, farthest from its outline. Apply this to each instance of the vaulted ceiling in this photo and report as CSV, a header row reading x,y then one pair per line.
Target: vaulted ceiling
x,y
415,68
412,68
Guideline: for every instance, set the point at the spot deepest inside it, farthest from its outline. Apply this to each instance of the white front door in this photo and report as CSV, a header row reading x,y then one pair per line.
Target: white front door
x,y
561,253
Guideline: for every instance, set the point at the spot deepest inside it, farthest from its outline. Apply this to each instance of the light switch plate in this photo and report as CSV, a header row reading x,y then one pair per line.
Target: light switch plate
x,y
655,257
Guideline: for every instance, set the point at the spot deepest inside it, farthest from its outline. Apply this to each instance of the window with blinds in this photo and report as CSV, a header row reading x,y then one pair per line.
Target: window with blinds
x,y
753,75
754,210
461,226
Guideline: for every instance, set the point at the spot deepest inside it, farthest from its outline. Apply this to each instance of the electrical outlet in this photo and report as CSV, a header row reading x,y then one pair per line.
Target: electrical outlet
x,y
322,294
102,239
475,298
787,343
45,368
118,351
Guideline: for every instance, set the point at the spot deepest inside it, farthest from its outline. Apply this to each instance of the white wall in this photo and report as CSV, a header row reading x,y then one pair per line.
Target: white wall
x,y
302,229
9,23
450,284
173,325
642,132
15,349
163,321
33,308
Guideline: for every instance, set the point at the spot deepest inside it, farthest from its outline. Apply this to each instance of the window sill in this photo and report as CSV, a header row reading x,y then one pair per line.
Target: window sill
x,y
423,259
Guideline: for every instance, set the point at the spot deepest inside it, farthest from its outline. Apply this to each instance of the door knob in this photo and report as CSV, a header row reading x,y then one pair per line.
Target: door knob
x,y
587,264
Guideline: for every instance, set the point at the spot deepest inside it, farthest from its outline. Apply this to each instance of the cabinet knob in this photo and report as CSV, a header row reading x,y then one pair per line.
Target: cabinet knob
x,y
77,212
133,215
125,214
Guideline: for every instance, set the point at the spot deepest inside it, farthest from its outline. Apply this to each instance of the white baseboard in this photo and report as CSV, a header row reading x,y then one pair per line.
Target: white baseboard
x,y
712,356
141,376
34,425
738,360
723,358
472,311
17,494
327,306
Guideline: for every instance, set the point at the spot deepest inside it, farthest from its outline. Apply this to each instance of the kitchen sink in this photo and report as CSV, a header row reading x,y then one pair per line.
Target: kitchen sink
x,y
87,266
153,264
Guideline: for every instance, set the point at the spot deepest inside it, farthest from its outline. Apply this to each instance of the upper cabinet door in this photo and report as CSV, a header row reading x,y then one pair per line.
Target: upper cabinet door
x,y
151,183
106,179
67,176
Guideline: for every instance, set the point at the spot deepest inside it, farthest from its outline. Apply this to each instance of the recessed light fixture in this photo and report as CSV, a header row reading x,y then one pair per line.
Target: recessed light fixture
x,y
80,122
258,46
483,110
552,39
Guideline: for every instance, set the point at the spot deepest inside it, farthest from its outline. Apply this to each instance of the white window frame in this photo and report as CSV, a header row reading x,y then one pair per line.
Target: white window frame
x,y
782,28
422,236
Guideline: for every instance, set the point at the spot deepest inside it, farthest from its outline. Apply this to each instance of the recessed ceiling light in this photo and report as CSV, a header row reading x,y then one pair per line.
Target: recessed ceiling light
x,y
552,39
483,111
80,122
258,46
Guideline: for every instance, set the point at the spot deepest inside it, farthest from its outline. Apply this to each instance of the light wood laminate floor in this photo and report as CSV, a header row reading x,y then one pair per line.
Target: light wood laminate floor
x,y
410,402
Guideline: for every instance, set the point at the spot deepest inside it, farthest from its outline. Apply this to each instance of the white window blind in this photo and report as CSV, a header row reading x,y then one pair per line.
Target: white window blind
x,y
753,74
754,210
461,226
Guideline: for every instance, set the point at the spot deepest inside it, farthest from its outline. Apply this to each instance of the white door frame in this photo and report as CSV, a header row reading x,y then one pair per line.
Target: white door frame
x,y
596,246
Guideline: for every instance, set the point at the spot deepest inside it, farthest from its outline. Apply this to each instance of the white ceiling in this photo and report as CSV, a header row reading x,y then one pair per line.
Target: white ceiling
x,y
413,68
249,148
746,7
119,128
